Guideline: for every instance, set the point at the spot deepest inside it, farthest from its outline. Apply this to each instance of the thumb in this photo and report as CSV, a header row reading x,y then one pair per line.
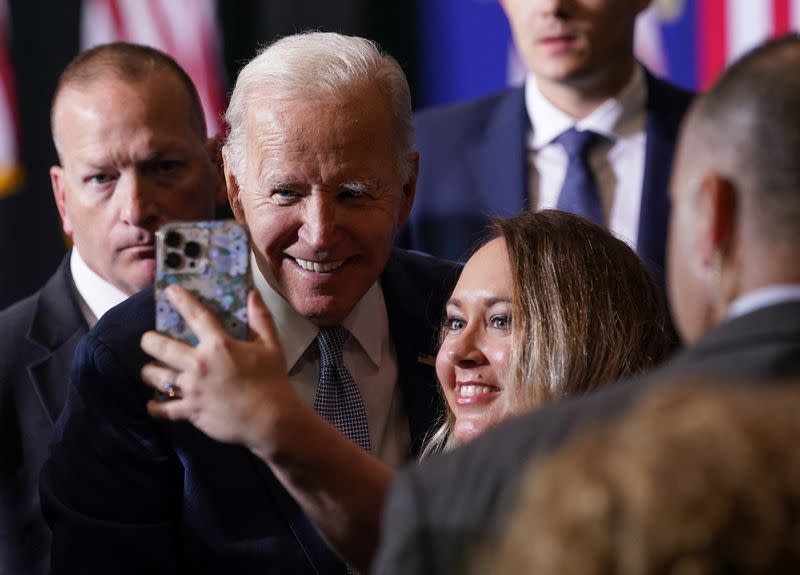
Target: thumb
x,y
262,327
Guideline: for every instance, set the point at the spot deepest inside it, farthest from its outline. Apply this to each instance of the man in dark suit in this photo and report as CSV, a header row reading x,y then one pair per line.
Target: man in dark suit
x,y
500,155
320,169
131,138
734,279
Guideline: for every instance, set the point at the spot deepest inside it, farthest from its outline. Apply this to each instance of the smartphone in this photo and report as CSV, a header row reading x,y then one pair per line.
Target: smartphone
x,y
212,260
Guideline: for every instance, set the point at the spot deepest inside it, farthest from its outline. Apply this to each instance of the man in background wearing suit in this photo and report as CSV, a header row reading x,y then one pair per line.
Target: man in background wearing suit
x,y
319,167
131,138
734,285
505,153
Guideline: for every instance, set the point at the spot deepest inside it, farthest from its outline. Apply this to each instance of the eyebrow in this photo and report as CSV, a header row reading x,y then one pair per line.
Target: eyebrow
x,y
489,301
275,183
365,187
356,185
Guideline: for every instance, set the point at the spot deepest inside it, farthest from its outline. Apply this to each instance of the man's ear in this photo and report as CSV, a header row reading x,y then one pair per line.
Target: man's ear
x,y
232,189
58,181
718,213
409,188
214,151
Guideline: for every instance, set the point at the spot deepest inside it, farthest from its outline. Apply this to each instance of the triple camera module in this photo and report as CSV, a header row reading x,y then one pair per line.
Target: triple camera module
x,y
183,253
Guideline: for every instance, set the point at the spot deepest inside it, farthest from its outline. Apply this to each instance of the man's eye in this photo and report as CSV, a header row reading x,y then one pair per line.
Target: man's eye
x,y
353,193
500,322
454,323
283,193
167,166
99,179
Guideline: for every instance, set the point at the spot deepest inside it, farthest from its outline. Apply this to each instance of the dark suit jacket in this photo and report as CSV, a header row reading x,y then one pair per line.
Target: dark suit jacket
x,y
39,336
474,165
124,493
438,510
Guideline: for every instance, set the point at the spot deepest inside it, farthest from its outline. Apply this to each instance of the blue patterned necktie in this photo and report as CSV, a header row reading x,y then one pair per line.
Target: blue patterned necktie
x,y
579,194
338,398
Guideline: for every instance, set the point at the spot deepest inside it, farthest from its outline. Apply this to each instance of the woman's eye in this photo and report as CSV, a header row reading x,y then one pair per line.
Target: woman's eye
x,y
500,322
454,323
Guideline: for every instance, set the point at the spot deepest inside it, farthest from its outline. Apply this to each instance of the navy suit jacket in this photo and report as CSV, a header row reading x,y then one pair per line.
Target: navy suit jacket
x,y
39,336
437,512
473,165
124,493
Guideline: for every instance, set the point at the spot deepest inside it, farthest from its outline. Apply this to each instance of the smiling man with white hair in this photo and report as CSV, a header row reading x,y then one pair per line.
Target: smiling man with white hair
x,y
320,169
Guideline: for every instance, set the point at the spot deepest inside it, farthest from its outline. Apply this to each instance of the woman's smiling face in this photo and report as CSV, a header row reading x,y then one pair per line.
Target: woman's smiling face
x,y
473,359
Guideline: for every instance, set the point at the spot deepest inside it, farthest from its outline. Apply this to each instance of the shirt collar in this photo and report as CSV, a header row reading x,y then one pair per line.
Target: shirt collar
x,y
367,322
763,297
98,294
617,117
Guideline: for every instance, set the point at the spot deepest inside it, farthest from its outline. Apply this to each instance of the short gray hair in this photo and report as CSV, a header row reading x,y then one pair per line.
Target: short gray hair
x,y
313,65
750,121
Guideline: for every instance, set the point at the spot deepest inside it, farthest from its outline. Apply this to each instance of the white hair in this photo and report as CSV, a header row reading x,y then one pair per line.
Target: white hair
x,y
314,65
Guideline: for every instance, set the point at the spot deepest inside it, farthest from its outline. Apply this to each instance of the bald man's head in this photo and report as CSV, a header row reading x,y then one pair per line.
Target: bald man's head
x,y
735,224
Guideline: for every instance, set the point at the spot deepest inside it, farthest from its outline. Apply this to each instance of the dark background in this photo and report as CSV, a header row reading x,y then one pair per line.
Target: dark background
x,y
45,36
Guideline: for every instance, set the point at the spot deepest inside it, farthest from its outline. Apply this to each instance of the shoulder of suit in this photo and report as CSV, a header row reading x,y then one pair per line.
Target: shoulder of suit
x,y
665,94
15,323
127,321
19,311
425,263
457,115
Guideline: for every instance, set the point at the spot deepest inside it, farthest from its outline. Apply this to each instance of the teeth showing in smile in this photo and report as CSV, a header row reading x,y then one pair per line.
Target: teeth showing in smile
x,y
318,267
473,390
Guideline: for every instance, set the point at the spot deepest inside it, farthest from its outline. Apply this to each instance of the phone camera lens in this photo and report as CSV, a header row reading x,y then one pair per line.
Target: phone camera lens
x,y
173,260
173,239
191,249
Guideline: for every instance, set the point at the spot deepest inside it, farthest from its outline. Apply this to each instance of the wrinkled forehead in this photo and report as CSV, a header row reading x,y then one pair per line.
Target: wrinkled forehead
x,y
353,123
96,122
156,94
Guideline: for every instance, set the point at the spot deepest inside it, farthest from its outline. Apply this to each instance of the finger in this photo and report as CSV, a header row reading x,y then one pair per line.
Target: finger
x,y
262,326
157,376
171,410
171,352
199,319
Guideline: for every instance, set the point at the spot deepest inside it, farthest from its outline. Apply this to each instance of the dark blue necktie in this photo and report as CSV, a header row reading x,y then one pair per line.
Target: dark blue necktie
x,y
338,398
579,194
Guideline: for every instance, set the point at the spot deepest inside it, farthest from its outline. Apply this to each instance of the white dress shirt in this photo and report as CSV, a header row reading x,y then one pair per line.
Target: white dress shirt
x,y
95,295
617,162
369,356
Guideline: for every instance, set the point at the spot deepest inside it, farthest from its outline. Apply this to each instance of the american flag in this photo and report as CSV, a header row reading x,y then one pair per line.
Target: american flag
x,y
187,30
10,166
692,41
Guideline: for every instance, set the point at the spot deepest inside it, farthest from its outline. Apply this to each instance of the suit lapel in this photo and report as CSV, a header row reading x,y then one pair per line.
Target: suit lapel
x,y
56,327
414,316
497,156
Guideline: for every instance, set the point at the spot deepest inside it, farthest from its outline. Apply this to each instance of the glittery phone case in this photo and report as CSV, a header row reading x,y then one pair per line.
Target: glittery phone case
x,y
212,260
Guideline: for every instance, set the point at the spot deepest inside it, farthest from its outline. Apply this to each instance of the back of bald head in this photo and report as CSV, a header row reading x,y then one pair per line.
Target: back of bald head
x,y
748,126
130,63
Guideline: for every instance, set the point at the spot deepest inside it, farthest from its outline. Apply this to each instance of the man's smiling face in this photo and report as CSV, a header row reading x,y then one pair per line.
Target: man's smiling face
x,y
323,196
